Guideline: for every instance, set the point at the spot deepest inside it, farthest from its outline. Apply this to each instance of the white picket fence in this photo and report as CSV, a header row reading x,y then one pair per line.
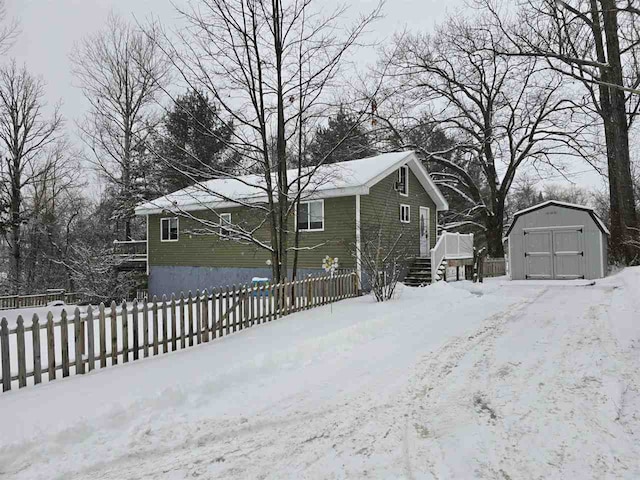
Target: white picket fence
x,y
80,342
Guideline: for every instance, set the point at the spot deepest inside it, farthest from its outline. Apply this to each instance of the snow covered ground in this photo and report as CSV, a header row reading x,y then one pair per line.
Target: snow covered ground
x,y
451,381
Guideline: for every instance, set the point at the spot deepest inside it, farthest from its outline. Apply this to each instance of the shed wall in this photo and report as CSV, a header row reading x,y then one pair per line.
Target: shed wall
x,y
558,216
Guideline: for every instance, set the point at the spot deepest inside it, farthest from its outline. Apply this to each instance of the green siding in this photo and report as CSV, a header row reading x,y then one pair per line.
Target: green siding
x,y
211,251
383,205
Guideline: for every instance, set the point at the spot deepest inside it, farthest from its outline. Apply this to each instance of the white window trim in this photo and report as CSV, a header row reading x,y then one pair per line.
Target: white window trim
x,y
177,229
224,214
406,169
310,229
408,207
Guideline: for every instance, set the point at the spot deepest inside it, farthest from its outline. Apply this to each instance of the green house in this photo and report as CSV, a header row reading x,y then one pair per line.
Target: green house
x,y
214,233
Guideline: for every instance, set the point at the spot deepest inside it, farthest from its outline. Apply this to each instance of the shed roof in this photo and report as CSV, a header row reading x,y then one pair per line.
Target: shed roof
x,y
334,180
598,221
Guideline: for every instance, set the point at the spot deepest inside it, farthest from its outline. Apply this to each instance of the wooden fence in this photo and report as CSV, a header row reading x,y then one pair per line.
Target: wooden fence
x,y
8,302
103,336
494,267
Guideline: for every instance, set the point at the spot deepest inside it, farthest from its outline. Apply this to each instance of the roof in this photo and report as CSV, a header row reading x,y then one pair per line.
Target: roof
x,y
335,180
598,221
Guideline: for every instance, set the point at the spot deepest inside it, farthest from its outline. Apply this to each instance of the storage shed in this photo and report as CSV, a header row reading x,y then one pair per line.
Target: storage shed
x,y
557,240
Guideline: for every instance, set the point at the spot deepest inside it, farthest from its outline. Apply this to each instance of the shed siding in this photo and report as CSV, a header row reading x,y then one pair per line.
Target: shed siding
x,y
382,204
209,250
557,216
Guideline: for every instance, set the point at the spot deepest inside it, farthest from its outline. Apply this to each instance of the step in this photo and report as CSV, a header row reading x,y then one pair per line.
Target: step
x,y
422,262
416,284
417,279
422,271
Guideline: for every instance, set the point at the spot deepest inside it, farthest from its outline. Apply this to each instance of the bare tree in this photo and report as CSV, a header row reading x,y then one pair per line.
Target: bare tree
x,y
597,44
120,70
25,134
9,29
55,204
269,66
506,113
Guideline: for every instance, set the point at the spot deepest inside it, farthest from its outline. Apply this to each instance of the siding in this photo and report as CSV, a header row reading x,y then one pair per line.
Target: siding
x,y
211,251
382,205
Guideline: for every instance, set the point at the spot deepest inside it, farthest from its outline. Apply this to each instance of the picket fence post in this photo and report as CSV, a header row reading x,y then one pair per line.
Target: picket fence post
x,y
35,341
4,351
91,341
174,324
64,338
51,347
77,342
135,333
114,333
102,326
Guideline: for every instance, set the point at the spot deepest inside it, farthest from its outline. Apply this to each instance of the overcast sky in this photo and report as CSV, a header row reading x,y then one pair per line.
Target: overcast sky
x,y
50,28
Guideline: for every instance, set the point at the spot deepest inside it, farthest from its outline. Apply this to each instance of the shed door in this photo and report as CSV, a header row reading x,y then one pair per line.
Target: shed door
x,y
554,254
538,256
568,254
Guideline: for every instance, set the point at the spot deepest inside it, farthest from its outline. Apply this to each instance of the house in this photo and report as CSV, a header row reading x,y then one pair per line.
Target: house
x,y
340,204
557,240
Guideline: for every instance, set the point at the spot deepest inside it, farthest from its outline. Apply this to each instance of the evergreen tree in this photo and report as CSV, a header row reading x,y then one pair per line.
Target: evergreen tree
x,y
343,139
193,142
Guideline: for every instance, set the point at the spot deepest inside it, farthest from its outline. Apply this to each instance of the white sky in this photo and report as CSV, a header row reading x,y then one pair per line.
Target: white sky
x,y
50,28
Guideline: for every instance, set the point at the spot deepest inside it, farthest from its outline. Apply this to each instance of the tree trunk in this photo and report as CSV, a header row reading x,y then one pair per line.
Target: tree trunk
x,y
623,210
495,227
281,146
16,260
495,247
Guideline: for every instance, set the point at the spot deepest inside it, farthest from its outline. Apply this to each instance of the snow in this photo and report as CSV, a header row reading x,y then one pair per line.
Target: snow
x,y
494,380
327,179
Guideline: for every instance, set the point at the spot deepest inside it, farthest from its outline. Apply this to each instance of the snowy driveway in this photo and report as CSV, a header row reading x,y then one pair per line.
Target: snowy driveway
x,y
449,381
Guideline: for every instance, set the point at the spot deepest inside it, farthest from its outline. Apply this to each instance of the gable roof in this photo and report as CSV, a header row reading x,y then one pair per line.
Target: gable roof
x,y
598,221
335,180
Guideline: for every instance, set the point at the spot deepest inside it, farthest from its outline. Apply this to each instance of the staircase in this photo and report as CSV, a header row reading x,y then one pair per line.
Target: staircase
x,y
419,273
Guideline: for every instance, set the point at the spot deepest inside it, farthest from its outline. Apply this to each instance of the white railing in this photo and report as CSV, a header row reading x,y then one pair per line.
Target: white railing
x,y
451,246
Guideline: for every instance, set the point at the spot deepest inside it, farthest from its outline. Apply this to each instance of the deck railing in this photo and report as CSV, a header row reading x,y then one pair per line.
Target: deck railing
x,y
131,249
451,246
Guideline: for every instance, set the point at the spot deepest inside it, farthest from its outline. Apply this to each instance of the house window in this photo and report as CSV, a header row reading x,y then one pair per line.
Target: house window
x,y
225,219
405,213
403,180
169,229
311,216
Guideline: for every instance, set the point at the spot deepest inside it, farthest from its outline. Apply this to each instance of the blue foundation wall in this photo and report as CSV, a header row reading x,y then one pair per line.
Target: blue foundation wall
x,y
164,280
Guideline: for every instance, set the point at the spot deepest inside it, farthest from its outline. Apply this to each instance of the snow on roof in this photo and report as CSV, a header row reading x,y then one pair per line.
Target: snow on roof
x,y
559,203
334,180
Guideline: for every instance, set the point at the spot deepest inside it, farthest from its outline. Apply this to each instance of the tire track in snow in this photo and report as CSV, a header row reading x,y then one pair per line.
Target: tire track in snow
x,y
436,367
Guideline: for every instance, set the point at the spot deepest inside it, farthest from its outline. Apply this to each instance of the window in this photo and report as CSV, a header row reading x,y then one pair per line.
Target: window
x,y
405,213
169,229
311,216
225,219
403,180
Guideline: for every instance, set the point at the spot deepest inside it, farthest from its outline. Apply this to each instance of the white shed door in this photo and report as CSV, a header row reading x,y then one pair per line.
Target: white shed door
x,y
554,254
538,255
568,254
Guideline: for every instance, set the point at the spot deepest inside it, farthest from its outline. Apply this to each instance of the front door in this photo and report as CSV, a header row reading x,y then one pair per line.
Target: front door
x,y
424,231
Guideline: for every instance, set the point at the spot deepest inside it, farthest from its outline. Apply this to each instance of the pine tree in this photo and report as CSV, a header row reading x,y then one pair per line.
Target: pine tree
x,y
343,139
193,143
